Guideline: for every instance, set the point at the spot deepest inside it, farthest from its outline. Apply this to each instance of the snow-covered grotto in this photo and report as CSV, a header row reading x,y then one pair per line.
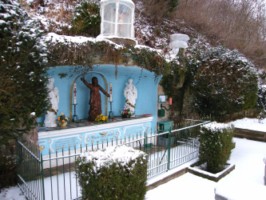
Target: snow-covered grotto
x,y
72,93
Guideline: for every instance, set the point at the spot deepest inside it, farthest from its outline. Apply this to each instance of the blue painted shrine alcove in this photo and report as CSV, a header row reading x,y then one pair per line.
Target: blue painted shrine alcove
x,y
145,81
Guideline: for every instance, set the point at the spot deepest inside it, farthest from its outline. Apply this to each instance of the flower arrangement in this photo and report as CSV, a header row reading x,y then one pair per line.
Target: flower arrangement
x,y
126,113
101,118
62,120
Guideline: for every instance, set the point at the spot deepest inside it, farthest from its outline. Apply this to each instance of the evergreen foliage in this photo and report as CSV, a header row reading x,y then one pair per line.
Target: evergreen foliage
x,y
87,19
173,4
114,180
213,82
61,53
225,83
262,100
22,69
215,147
177,83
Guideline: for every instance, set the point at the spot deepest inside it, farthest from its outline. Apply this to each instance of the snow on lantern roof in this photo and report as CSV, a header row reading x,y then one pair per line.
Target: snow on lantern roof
x,y
117,19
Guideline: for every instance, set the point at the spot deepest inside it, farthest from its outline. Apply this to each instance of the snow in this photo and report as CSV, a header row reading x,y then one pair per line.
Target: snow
x,y
245,182
79,40
249,171
117,154
217,126
203,166
55,38
12,193
139,46
2,22
251,124
229,189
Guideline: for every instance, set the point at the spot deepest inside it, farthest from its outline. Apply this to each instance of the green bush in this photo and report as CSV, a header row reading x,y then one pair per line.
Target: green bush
x,y
105,176
22,70
87,19
215,146
225,83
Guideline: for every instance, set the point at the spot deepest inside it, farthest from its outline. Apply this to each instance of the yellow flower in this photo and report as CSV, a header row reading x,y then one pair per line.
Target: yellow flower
x,y
101,118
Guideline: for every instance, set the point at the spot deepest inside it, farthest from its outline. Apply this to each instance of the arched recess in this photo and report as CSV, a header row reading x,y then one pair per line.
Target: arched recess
x,y
72,88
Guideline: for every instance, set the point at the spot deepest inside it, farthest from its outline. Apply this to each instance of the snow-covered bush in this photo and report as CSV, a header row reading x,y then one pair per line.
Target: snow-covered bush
x,y
23,79
22,68
215,145
115,173
87,19
225,83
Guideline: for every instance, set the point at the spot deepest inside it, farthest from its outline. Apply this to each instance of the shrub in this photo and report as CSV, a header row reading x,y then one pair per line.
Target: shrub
x,y
87,19
116,173
225,83
215,146
22,69
262,97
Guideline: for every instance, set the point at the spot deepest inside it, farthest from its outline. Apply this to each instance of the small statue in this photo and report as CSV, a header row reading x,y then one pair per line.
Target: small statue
x,y
131,94
95,98
50,117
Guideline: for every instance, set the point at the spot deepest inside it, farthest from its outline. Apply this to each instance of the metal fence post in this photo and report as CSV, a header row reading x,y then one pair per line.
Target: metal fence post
x,y
42,177
145,140
169,150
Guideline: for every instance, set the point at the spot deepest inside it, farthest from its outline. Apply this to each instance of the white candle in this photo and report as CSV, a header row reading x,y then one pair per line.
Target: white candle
x,y
111,93
75,93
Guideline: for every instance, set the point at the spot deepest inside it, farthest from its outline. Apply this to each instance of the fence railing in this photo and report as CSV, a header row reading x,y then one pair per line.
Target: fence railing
x,y
53,177
30,172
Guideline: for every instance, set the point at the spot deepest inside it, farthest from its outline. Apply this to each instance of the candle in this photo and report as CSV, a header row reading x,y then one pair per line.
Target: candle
x,y
75,93
111,93
170,101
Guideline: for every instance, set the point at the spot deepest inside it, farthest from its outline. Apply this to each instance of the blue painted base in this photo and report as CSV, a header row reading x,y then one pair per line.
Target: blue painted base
x,y
88,134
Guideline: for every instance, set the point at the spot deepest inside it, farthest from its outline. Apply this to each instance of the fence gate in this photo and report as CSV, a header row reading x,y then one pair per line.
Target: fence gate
x,y
30,172
170,149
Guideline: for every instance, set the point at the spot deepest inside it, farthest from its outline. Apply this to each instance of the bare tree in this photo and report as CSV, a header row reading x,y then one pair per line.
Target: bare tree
x,y
236,24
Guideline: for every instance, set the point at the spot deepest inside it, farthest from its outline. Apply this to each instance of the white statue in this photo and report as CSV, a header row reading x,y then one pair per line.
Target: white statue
x,y
177,41
50,117
131,94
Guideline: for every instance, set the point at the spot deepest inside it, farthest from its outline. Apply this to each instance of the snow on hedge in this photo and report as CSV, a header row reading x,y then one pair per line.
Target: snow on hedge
x,y
118,154
217,126
78,40
245,123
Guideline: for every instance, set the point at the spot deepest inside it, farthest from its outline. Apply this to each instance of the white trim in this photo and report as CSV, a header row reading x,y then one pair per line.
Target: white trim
x,y
78,130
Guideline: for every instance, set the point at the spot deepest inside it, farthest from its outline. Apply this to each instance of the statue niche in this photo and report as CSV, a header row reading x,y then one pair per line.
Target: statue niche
x,y
131,94
50,117
95,98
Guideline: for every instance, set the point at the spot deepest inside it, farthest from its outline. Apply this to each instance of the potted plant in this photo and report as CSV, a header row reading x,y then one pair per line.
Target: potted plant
x,y
62,120
126,113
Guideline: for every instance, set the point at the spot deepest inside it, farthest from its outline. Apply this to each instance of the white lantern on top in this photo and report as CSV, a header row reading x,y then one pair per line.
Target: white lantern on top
x,y
117,19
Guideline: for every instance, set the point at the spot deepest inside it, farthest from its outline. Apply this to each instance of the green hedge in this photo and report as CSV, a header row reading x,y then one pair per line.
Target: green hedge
x,y
105,176
225,83
215,146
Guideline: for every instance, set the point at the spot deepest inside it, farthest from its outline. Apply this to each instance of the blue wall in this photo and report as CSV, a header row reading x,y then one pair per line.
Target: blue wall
x,y
145,81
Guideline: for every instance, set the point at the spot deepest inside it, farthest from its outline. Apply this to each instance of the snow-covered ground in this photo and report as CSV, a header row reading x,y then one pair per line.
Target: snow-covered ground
x,y
243,183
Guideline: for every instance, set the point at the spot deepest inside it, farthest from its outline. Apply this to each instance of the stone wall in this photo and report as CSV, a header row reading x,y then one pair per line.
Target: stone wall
x,y
250,134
